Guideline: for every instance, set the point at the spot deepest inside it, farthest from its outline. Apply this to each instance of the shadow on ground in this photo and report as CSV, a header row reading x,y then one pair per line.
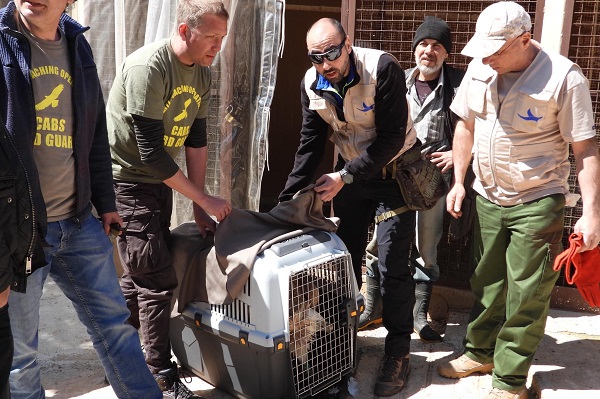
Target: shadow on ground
x,y
565,365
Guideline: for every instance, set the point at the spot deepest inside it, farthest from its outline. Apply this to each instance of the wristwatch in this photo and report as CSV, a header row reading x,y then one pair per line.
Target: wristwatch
x,y
347,178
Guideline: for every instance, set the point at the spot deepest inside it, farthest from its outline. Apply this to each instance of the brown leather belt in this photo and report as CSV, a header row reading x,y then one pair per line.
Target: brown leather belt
x,y
390,214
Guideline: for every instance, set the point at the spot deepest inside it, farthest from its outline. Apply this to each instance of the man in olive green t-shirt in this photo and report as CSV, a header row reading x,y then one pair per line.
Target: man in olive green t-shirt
x,y
158,104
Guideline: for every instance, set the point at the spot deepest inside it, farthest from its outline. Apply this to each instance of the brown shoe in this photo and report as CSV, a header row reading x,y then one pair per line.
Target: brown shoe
x,y
497,393
462,367
393,375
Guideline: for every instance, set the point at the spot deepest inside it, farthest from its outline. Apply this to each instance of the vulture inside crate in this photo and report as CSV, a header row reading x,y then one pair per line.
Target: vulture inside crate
x,y
305,320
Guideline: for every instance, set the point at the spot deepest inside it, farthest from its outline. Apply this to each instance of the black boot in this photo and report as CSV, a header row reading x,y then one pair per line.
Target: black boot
x,y
374,307
393,375
172,387
422,328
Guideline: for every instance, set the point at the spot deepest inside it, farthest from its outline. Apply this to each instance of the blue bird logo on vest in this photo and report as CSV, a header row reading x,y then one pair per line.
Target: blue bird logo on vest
x,y
365,107
530,116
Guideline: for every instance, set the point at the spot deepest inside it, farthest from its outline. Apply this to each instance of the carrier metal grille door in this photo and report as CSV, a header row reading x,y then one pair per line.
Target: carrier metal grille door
x,y
321,344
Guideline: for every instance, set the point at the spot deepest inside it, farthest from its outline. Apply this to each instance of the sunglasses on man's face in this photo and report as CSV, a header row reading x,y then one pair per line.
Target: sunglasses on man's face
x,y
330,55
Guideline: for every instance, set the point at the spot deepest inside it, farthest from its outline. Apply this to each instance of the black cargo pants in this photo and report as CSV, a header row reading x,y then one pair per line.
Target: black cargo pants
x,y
148,277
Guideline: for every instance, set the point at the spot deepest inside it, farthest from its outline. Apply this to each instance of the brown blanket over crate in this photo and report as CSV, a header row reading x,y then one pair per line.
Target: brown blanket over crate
x,y
217,274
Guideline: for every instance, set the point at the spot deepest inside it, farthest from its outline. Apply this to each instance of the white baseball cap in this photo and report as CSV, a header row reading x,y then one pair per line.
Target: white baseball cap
x,y
495,25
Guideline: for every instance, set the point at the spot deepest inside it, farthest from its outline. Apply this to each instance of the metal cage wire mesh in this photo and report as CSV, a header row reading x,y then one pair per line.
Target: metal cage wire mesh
x,y
320,341
390,25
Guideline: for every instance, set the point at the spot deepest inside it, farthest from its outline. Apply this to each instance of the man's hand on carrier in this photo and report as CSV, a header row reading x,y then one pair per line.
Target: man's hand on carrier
x,y
327,186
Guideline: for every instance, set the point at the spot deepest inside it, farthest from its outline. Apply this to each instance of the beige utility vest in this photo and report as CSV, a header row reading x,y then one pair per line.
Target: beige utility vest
x,y
519,152
354,136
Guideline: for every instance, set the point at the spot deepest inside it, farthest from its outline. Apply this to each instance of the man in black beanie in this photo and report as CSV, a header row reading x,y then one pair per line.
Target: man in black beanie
x,y
434,28
431,85
430,88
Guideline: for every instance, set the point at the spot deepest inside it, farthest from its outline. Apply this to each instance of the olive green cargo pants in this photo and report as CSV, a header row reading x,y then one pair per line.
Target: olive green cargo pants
x,y
514,249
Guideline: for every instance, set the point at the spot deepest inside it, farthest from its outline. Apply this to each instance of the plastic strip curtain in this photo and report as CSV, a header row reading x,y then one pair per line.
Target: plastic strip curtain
x,y
242,88
162,15
248,65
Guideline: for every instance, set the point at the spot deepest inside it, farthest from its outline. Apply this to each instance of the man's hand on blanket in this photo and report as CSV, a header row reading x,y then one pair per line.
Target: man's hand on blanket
x,y
204,221
216,206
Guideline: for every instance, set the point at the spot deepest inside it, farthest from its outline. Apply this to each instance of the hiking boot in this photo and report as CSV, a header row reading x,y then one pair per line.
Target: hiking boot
x,y
463,366
428,334
373,313
180,391
393,375
497,393
421,325
172,387
164,379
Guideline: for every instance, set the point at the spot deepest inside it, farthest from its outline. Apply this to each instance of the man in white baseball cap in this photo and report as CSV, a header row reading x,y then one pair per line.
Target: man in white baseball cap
x,y
497,24
520,108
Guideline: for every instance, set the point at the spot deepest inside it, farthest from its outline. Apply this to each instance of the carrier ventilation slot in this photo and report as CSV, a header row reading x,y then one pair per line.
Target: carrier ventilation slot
x,y
236,311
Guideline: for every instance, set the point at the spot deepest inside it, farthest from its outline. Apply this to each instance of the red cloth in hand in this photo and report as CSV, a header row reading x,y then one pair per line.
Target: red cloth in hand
x,y
581,269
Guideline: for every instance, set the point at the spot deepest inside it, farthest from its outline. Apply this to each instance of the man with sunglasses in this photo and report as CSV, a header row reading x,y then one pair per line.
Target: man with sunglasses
x,y
360,94
520,107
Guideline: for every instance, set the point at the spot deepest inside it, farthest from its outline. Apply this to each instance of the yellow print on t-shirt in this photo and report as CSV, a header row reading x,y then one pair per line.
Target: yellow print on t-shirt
x,y
54,140
181,90
51,99
51,70
169,141
183,114
177,136
52,127
180,113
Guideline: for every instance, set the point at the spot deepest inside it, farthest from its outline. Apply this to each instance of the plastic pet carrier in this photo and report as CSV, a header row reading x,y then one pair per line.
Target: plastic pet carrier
x,y
291,333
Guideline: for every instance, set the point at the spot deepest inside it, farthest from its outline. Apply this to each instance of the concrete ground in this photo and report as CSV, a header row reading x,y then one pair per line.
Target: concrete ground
x,y
566,364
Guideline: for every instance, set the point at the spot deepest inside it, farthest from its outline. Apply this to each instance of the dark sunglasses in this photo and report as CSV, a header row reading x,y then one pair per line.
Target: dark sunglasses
x,y
331,55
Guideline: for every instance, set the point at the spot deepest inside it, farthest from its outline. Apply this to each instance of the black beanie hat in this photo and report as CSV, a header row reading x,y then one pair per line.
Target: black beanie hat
x,y
434,28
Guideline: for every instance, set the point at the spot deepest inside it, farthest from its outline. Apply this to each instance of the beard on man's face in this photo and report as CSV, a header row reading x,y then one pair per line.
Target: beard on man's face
x,y
335,75
429,70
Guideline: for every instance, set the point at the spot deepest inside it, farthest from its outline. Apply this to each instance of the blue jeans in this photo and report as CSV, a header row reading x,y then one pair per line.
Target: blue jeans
x,y
80,260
